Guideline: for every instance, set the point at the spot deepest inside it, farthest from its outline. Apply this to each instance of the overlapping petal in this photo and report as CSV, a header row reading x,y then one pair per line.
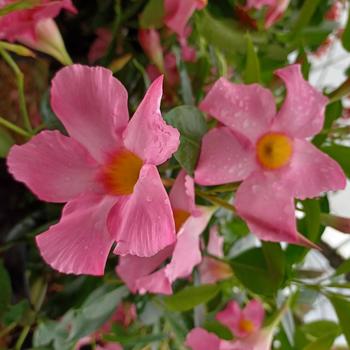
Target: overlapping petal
x,y
216,242
302,112
93,107
147,134
157,282
230,317
143,223
247,109
55,167
80,242
200,339
254,312
312,172
224,158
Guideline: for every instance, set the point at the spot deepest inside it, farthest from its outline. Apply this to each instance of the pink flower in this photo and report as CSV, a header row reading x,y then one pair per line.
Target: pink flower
x,y
275,9
178,12
268,151
146,274
242,322
106,171
35,27
100,46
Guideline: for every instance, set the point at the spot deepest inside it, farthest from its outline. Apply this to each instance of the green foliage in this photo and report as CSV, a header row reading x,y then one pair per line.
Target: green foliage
x,y
152,15
342,308
6,141
191,125
252,67
346,34
5,288
341,154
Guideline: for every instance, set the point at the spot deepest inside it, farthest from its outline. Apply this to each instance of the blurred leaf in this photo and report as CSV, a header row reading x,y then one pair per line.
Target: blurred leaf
x,y
259,272
221,34
342,309
6,141
308,9
119,63
191,125
17,49
190,297
18,5
343,268
333,112
15,312
346,34
252,67
219,329
5,288
341,154
152,15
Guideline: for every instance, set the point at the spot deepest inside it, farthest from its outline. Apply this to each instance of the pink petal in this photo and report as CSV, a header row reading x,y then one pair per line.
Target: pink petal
x,y
224,158
312,172
276,12
261,340
267,206
230,317
147,134
131,267
177,14
216,242
200,339
182,193
144,223
254,312
246,109
302,113
212,270
157,282
258,4
55,167
92,105
80,242
187,253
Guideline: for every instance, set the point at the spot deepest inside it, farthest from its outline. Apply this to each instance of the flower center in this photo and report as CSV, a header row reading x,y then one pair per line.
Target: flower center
x,y
246,325
121,173
274,150
180,216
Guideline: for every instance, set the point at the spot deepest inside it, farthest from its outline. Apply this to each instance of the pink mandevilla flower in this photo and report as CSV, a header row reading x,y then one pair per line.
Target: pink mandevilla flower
x,y
146,274
35,27
244,324
178,12
275,9
268,151
106,171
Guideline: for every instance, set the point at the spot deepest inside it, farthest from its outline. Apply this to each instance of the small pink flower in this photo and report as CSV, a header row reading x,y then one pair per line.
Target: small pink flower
x,y
178,12
275,9
268,151
35,27
100,46
242,322
146,274
106,171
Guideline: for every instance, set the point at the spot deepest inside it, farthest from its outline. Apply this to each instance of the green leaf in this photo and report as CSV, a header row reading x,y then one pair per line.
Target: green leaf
x,y
190,297
5,288
333,112
18,5
191,125
15,312
6,141
308,9
342,309
261,270
252,67
341,154
153,14
346,35
343,268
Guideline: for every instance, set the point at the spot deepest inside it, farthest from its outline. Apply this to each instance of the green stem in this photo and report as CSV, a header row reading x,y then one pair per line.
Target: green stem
x,y
20,85
22,338
217,201
14,128
8,329
342,91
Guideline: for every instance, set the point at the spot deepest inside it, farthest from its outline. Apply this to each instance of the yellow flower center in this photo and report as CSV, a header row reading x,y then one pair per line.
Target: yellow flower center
x,y
274,150
180,216
246,326
121,173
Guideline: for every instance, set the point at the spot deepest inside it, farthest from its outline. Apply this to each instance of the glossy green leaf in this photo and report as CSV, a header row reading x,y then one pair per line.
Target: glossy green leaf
x,y
261,270
190,297
346,35
341,154
6,141
152,15
5,288
252,67
191,125
342,309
